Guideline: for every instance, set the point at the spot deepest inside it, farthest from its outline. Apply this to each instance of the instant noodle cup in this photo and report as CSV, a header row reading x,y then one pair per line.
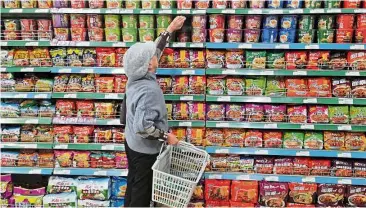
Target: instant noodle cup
x,y
44,35
199,21
256,4
132,4
12,25
201,4
94,21
163,21
96,34
61,34
306,22
361,21
251,36
184,4
270,22
146,21
11,35
76,4
215,59
351,3
345,21
289,22
95,4
275,4
28,35
326,22
77,20
253,22
112,34
148,4
219,4
269,35
217,35
332,4
28,24
78,34
167,4
344,35
287,36
61,4
305,36
129,35
111,21
234,60
313,4
217,21
294,4
44,25
12,4
234,36
111,4
360,36
238,4
235,22
182,36
28,4
325,36
129,21
146,35
199,35
60,20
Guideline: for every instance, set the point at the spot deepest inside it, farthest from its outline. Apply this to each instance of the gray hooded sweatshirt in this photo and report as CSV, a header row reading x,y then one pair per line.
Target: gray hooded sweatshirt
x,y
145,104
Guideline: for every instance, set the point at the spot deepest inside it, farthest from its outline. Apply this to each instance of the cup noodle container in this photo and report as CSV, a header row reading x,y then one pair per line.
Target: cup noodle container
x,y
61,4
146,35
167,4
11,35
129,35
45,4
305,36
112,4
219,4
199,35
217,35
256,4
94,21
148,4
360,36
77,4
44,29
332,4
201,4
96,34
344,35
60,20
96,4
325,36
269,35
77,20
132,4
78,34
234,35
361,21
345,21
270,22
28,29
129,21
217,21
238,4
146,21
163,21
184,4
199,21
112,34
235,22
253,22
351,3
275,4
61,34
251,35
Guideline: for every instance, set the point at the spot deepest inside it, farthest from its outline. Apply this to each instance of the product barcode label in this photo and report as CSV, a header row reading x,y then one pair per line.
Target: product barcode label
x,y
61,172
345,127
357,47
31,44
31,121
87,71
282,46
222,151
35,171
82,43
300,73
245,45
307,126
70,95
308,179
215,176
344,155
27,69
243,177
111,96
312,46
229,71
303,153
224,99
345,181
228,11
61,146
179,44
119,44
100,173
270,126
188,72
310,100
64,70
185,123
345,101
183,11
271,178
188,98
261,152
351,73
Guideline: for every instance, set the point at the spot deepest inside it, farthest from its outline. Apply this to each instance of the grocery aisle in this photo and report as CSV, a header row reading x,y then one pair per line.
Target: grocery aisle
x,y
274,90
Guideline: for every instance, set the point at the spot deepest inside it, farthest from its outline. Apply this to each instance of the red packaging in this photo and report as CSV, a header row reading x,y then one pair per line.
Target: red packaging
x,y
214,204
96,34
283,166
217,21
301,166
361,21
253,138
217,35
85,108
297,114
241,204
184,4
94,20
201,4
272,139
76,4
296,87
318,60
77,20
360,36
351,3
219,4
78,34
199,21
28,25
106,57
296,59
344,36
120,82
238,4
83,134
263,165
94,4
65,107
62,133
320,87
120,52
235,22
217,190
320,167
44,25
357,60
244,191
345,21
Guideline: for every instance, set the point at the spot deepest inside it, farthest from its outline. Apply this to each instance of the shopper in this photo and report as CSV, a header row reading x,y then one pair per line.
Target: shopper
x,y
145,115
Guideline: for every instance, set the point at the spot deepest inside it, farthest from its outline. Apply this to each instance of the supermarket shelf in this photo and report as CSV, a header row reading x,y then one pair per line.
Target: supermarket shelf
x,y
186,123
86,121
30,120
307,100
180,71
25,69
286,178
24,43
284,11
185,97
90,146
34,95
26,170
265,125
88,70
117,44
286,152
24,11
25,145
90,171
324,46
88,95
269,72
128,11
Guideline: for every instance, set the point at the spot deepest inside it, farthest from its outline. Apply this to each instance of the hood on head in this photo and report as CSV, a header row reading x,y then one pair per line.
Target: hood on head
x,y
137,58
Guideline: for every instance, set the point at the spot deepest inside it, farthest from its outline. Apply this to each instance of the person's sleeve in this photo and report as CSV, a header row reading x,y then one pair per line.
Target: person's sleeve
x,y
161,43
147,111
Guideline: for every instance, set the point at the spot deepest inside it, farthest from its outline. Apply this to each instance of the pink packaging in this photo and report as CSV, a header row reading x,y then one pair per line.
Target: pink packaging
x,y
219,4
44,25
234,36
275,113
76,4
184,4
77,20
121,160
251,36
199,21
297,114
199,35
78,34
180,111
253,22
217,21
7,186
254,112
238,4
29,192
256,4
235,22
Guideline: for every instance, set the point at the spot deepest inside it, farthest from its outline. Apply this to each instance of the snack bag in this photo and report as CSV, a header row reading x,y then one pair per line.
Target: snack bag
x,y
214,137
334,140
235,112
338,114
217,190
277,199
234,137
104,84
216,85
57,184
255,86
215,112
296,60
296,87
180,84
293,140
313,140
59,200
318,114
197,111
93,188
119,186
355,141
63,158
255,59
253,138
181,111
235,86
318,60
302,193
272,139
244,191
275,87
358,115
334,191
319,87
106,57
195,136
75,56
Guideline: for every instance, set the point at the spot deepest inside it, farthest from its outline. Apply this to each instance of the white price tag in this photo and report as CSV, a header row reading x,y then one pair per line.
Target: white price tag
x,y
345,127
35,171
317,11
165,11
3,43
352,73
267,73
307,126
2,69
29,146
126,11
344,155
357,47
62,43
119,44
100,173
41,11
271,178
82,43
261,152
228,11
308,179
185,123
196,45
31,121
245,45
310,100
180,45
108,147
111,96
275,11
20,96
92,11
65,70
146,11
61,146
188,72
360,10
345,101
255,11
118,71
215,176
61,172
28,69
303,153
224,99
296,11
112,11
344,181
31,43
336,11
87,71
70,95
243,177
187,98
300,73
222,151
40,96
113,122
312,46
229,71
15,10
270,126
222,125
184,11
282,46
199,11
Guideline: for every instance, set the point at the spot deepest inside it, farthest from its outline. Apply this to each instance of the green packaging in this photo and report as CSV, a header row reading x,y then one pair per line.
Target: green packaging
x,y
275,60
129,21
163,21
114,4
332,4
293,140
306,22
148,4
111,21
275,87
112,34
306,36
129,35
310,4
255,86
146,35
325,36
167,4
358,115
338,114
313,140
326,22
146,21
132,4
256,59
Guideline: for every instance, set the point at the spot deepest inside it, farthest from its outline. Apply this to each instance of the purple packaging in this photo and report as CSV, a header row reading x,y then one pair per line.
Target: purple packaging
x,y
60,4
29,192
215,112
270,22
234,36
287,36
269,35
289,22
251,36
274,113
254,112
60,20
234,112
7,186
275,4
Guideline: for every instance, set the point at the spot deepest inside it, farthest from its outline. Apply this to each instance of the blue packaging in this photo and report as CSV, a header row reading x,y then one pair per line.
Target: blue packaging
x,y
294,4
275,4
270,22
289,22
118,203
269,35
119,186
287,36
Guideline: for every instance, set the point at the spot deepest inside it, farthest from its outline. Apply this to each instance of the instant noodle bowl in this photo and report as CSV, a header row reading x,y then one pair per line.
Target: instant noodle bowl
x,y
275,4
313,4
11,4
78,34
60,4
306,22
129,21
270,22
163,21
148,4
95,4
146,21
253,22
132,4
201,4
234,59
305,36
345,21
332,4
96,34
287,36
251,36
361,21
234,36
235,86
351,3
344,35
12,25
256,4
326,22
360,36
61,34
184,4
146,35
111,21
167,4
215,58
199,21
217,21
269,35
182,36
60,20
235,22
111,4
289,22
112,34
215,112
77,4
29,4
94,20
219,4
255,59
294,4
77,20
216,85
238,4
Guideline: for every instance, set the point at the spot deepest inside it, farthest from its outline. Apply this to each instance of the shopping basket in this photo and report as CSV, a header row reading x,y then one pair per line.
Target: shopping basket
x,y
176,173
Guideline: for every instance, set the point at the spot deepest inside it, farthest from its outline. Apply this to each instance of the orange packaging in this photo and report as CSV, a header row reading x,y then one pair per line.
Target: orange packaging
x,y
361,21
301,166
182,58
217,190
234,137
351,4
318,114
120,82
244,191
320,87
344,35
272,139
180,133
180,84
253,138
318,59
296,87
334,140
241,204
104,84
357,60
360,36
195,136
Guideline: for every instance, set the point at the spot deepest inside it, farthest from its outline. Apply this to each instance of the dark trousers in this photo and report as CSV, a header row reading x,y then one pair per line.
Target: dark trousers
x,y
139,179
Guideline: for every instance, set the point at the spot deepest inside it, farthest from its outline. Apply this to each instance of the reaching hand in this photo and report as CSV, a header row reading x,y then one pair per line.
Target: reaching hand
x,y
176,24
172,139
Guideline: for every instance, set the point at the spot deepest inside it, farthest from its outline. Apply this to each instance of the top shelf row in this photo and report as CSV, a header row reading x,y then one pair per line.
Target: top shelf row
x,y
183,11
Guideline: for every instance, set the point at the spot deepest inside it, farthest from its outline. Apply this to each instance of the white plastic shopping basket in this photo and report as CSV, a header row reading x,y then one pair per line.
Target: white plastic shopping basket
x,y
177,171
